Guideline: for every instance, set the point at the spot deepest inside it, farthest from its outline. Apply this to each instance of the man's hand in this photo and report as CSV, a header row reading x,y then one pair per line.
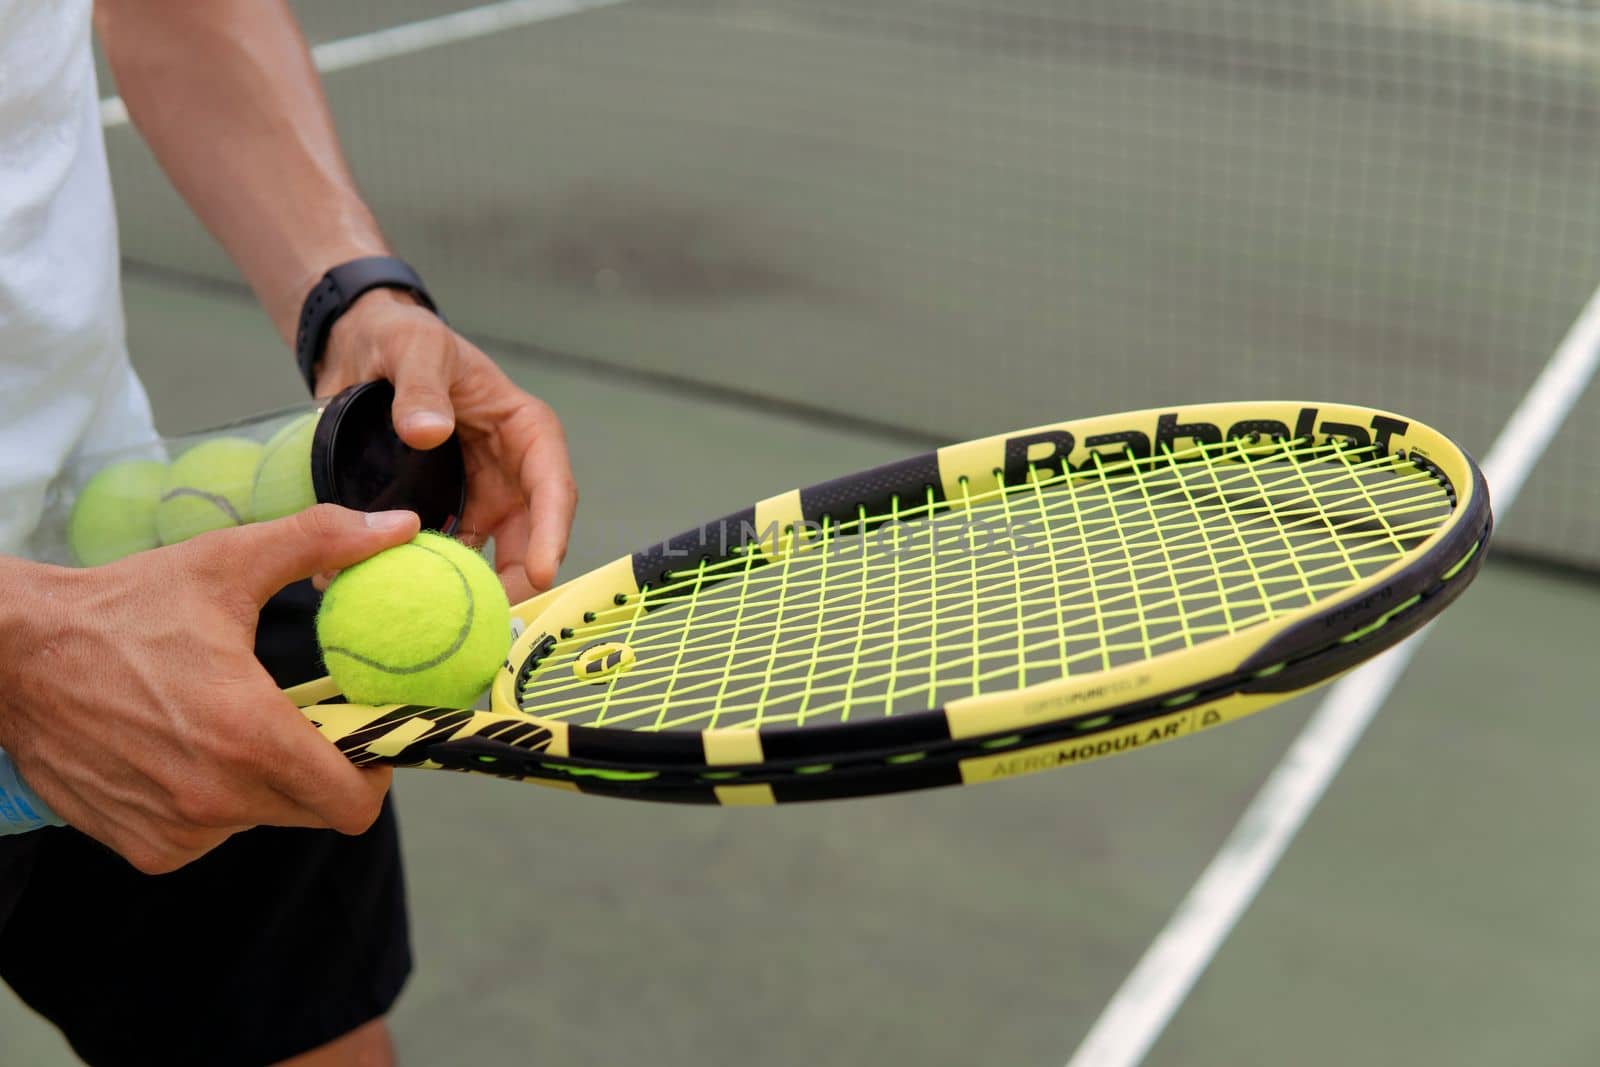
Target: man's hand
x,y
520,486
135,706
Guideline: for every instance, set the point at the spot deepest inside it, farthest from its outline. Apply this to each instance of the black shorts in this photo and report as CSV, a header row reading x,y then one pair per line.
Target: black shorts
x,y
274,943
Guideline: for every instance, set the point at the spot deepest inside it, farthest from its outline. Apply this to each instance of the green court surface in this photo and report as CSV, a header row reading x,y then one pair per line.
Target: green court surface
x,y
698,227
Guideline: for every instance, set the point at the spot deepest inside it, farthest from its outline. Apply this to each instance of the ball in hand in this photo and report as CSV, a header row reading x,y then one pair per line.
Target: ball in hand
x,y
426,622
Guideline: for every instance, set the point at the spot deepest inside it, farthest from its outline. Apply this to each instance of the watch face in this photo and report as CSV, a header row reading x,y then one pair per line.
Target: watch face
x,y
358,461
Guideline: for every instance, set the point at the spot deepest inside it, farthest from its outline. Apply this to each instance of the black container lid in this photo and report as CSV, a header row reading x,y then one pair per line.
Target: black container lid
x,y
358,461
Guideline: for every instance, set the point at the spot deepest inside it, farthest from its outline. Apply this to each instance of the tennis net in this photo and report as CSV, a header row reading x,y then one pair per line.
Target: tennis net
x,y
948,217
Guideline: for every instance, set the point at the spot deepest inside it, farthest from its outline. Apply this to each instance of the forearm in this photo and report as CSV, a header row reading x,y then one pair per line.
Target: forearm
x,y
226,96
28,595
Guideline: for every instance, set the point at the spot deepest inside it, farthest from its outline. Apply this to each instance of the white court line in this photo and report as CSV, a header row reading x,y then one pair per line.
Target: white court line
x,y
414,37
1156,987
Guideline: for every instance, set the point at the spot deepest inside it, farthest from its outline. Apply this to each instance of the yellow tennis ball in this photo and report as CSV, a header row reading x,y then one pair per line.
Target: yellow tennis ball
x,y
426,622
208,488
115,514
283,479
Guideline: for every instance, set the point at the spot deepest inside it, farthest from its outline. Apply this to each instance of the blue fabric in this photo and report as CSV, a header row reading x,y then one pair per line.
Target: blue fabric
x,y
21,809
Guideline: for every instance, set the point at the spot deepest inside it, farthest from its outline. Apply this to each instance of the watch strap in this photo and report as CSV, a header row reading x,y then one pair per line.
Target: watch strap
x,y
336,292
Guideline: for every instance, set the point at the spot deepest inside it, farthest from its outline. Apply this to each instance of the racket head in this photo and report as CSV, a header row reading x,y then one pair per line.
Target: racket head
x,y
1191,677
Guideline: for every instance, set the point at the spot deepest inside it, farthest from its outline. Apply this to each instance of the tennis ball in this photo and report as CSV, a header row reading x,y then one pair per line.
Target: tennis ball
x,y
283,479
115,514
208,488
426,622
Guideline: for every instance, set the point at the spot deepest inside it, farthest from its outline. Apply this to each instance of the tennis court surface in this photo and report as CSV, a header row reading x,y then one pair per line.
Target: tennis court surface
x,y
747,244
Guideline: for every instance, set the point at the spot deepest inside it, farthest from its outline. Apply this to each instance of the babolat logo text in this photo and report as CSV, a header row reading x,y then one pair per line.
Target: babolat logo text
x,y
1052,452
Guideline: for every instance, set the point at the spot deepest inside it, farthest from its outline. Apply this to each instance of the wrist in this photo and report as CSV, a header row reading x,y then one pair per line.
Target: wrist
x,y
32,595
19,580
340,292
26,591
362,239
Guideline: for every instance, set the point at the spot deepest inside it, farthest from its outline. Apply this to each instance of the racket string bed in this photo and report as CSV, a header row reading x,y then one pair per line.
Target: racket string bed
x,y
997,607
1062,571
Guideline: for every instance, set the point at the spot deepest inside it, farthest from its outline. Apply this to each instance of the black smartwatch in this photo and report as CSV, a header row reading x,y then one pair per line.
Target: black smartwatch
x,y
333,295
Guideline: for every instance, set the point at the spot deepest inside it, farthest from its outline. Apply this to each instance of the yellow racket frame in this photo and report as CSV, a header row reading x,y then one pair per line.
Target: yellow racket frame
x,y
1339,630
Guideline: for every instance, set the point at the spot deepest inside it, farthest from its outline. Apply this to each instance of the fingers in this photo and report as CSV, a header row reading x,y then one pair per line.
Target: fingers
x,y
261,762
441,381
266,556
510,551
545,474
424,416
316,780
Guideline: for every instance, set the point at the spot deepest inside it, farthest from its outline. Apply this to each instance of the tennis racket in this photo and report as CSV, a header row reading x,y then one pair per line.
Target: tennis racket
x,y
1008,605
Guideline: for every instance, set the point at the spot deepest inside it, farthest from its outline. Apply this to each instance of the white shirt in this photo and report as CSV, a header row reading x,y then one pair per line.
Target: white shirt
x,y
66,386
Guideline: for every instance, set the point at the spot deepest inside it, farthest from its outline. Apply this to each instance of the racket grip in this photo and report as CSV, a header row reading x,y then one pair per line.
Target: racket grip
x,y
21,810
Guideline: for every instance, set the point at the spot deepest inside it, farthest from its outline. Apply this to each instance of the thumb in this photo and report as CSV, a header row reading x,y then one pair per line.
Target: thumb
x,y
270,555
